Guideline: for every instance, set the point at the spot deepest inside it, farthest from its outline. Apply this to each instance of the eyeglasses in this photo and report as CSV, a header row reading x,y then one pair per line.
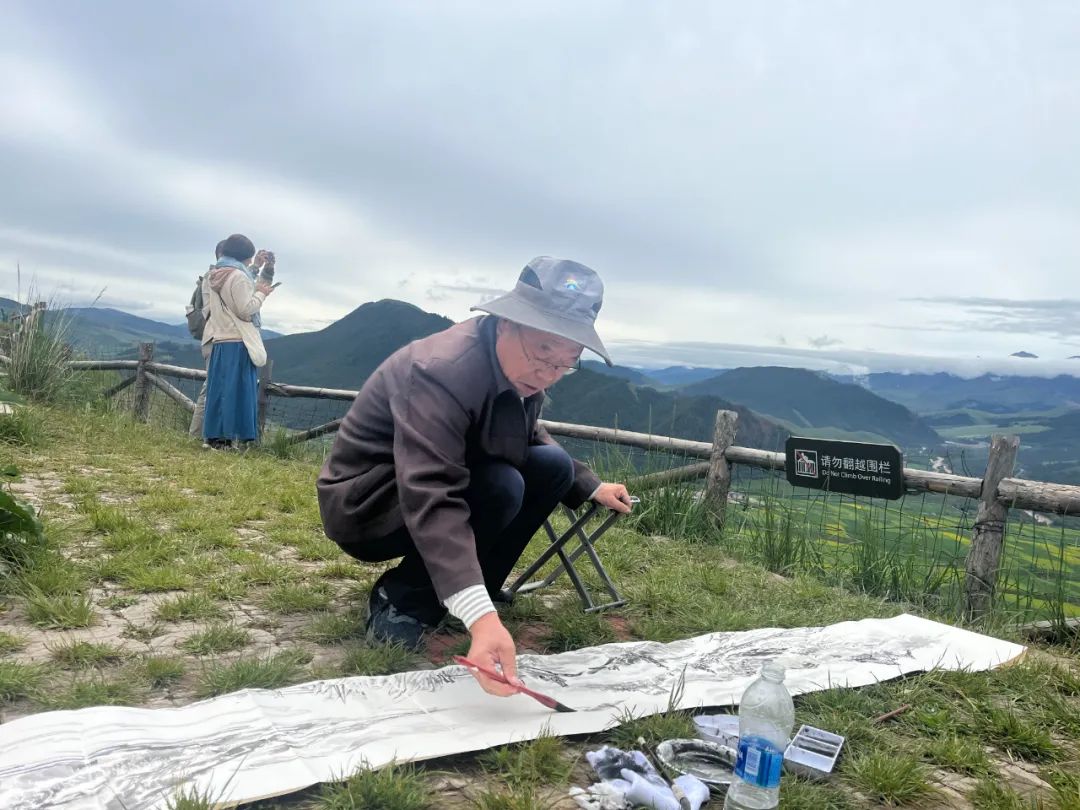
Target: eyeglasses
x,y
546,365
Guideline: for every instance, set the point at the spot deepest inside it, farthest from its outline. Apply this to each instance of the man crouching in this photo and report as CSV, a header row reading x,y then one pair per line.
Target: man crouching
x,y
441,461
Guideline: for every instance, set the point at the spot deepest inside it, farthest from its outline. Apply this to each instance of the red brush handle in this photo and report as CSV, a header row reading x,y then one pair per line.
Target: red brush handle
x,y
551,703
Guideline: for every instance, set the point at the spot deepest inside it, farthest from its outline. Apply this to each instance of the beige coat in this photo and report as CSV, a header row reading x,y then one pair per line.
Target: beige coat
x,y
231,301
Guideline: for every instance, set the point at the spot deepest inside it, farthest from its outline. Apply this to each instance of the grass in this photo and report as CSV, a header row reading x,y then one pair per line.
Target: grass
x,y
38,368
62,611
513,799
191,798
289,598
390,788
119,602
189,607
140,522
801,794
573,629
19,680
159,671
11,642
959,754
92,690
216,639
544,761
990,794
23,427
51,574
334,628
269,672
377,659
891,777
1016,735
143,632
85,654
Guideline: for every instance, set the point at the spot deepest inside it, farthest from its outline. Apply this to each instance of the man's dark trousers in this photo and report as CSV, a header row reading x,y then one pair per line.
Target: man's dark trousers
x,y
507,506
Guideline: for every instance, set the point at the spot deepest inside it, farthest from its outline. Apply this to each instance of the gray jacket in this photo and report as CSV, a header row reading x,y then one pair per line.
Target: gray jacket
x,y
402,454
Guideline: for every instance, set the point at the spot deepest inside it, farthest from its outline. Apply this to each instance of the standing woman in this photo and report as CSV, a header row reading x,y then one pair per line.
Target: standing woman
x,y
235,297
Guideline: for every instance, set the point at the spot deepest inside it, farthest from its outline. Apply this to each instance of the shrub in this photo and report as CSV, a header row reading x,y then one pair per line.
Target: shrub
x,y
39,354
21,534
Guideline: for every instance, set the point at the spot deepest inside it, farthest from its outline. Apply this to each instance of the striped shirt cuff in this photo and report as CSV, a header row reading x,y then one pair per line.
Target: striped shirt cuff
x,y
470,604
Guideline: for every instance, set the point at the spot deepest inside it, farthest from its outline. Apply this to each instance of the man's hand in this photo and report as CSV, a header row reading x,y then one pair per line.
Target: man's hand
x,y
264,288
493,647
614,497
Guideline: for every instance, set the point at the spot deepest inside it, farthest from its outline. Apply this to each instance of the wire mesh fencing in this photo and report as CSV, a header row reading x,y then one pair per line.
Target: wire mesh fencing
x,y
912,550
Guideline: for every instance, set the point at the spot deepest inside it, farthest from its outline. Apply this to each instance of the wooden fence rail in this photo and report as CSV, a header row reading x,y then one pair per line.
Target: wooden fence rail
x,y
996,491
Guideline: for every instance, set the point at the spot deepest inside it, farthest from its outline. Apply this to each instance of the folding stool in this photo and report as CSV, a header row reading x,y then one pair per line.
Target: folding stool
x,y
586,546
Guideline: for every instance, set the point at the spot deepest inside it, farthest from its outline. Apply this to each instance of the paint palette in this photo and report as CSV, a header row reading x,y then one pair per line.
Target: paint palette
x,y
813,752
710,762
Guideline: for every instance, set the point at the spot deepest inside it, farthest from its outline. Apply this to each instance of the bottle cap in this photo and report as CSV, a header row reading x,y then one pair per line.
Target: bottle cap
x,y
774,671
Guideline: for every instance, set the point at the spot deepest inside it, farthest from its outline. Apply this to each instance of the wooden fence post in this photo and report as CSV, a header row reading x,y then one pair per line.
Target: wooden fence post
x,y
265,374
142,383
718,481
988,533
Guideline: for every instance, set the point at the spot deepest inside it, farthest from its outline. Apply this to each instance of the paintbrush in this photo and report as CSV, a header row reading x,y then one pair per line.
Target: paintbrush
x,y
550,702
676,791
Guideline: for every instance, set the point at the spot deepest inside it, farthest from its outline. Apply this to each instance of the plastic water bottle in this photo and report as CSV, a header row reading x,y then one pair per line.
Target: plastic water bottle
x,y
766,719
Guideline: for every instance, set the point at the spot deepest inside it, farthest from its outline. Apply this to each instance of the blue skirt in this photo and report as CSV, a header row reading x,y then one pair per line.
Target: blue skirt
x,y
232,394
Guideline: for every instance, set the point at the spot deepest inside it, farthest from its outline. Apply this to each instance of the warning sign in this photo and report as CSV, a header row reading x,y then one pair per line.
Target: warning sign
x,y
856,468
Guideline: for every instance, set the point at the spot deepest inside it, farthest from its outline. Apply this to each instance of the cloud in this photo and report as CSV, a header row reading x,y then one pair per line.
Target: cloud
x,y
645,354
1058,317
823,341
732,172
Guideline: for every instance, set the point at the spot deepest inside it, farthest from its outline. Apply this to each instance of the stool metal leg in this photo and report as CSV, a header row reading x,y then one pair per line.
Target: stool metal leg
x,y
566,561
519,585
586,543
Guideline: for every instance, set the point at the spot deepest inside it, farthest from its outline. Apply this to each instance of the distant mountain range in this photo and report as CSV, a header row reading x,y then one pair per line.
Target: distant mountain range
x,y
670,377
993,393
103,331
677,400
811,402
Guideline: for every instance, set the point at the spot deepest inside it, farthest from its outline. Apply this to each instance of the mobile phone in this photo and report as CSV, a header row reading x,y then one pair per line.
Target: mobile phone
x,y
275,285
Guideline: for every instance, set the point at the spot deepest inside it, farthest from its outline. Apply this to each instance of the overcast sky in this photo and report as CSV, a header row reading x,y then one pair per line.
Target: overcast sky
x,y
838,177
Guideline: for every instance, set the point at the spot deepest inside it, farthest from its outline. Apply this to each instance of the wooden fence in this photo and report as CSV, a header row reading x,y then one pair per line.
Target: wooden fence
x,y
997,492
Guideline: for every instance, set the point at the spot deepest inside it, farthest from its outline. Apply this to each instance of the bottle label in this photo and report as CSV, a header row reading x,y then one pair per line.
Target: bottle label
x,y
759,762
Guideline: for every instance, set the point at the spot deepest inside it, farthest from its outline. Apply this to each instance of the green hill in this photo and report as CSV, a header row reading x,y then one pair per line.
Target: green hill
x,y
606,401
809,400
103,331
343,354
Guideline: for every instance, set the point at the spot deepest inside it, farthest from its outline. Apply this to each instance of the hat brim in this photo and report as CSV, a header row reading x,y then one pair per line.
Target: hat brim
x,y
516,309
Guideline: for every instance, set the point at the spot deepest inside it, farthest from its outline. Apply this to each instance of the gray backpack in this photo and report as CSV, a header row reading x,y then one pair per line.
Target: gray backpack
x,y
196,312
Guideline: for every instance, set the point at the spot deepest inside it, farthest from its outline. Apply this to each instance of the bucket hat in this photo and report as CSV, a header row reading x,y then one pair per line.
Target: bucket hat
x,y
559,296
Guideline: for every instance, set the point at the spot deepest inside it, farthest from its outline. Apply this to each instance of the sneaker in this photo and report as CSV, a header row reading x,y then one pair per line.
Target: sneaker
x,y
389,625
